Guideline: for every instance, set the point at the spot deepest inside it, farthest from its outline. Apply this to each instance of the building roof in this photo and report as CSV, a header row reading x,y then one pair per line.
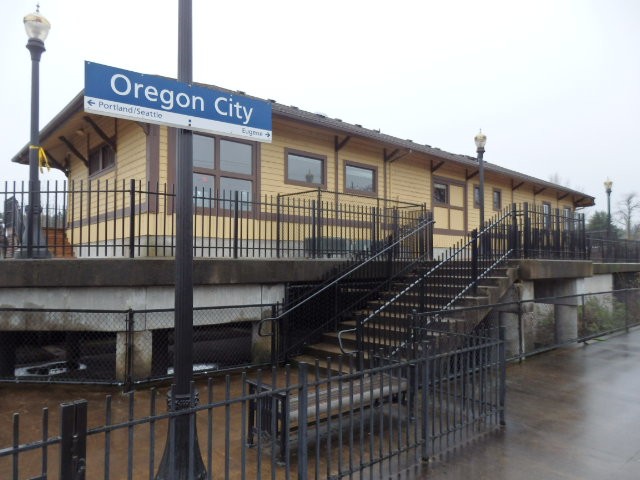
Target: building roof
x,y
320,120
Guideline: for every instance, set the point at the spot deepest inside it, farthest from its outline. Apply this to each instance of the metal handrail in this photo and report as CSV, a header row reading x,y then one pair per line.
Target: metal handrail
x,y
423,224
452,256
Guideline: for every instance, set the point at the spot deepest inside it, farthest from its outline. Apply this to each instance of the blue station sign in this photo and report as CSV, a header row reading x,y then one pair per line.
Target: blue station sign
x,y
149,98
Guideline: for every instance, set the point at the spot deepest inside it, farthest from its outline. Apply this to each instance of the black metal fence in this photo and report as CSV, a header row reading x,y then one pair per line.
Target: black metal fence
x,y
537,325
613,250
310,310
124,347
370,420
543,232
134,219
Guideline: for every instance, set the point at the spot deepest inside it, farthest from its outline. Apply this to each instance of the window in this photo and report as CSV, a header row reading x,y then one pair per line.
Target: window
x,y
204,190
546,215
222,167
203,151
236,157
360,179
567,217
497,200
476,196
440,193
304,169
101,159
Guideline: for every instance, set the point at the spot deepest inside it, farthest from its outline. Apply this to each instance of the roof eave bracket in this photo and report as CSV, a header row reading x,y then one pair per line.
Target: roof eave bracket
x,y
74,150
100,132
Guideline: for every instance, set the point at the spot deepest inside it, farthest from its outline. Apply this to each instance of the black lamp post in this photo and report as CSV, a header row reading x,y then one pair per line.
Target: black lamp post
x,y
607,186
481,140
37,28
181,459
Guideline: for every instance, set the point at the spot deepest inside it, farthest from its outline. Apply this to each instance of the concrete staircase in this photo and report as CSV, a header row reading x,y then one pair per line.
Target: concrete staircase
x,y
391,324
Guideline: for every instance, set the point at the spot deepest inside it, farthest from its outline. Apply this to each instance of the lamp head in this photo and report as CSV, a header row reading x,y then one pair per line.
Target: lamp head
x,y
607,185
481,140
36,25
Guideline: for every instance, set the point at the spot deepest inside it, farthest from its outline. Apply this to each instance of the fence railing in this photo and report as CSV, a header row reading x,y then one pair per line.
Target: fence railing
x,y
542,232
537,325
135,219
606,250
464,399
435,285
311,310
442,402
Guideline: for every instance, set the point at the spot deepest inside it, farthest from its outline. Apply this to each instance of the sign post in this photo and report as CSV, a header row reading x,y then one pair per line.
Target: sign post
x,y
178,103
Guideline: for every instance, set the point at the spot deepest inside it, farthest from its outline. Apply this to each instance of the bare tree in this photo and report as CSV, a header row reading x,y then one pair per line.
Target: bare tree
x,y
558,180
628,206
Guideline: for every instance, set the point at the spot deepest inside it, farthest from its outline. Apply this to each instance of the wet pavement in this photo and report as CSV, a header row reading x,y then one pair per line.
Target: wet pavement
x,y
573,413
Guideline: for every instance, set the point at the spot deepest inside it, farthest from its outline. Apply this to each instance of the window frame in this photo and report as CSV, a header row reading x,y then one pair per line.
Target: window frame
x,y
497,208
567,216
476,202
362,166
447,193
546,215
102,169
310,155
217,173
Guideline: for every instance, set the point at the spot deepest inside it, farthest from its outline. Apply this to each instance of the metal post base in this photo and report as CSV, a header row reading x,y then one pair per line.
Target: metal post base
x,y
175,459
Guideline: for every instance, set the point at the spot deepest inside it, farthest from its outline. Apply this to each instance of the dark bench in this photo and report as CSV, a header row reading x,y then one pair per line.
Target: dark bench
x,y
348,393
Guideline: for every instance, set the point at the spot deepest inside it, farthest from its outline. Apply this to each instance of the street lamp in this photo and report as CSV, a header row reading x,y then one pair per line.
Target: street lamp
x,y
37,28
607,186
481,140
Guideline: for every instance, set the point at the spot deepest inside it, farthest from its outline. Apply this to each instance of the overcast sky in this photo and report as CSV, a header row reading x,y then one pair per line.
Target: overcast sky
x,y
554,84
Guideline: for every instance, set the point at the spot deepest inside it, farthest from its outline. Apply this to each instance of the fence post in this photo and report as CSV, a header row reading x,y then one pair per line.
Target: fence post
x,y
128,374
430,236
583,236
235,224
314,237
424,411
322,246
513,238
73,440
527,230
557,237
132,219
474,260
374,234
278,226
502,365
303,391
275,330
396,232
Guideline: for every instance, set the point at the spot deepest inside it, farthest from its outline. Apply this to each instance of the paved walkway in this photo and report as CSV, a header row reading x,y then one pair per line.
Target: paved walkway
x,y
573,413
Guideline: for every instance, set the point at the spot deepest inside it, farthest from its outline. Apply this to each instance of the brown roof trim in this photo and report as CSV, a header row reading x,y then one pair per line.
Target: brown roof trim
x,y
74,106
320,120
